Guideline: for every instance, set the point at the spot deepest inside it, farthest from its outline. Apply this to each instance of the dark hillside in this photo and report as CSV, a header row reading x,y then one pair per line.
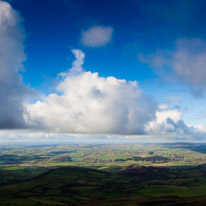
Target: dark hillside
x,y
133,185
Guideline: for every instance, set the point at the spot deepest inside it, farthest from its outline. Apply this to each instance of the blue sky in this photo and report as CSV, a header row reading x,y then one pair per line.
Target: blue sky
x,y
160,45
54,28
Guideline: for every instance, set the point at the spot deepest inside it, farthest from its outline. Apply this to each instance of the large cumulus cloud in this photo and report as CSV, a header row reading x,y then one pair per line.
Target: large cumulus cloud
x,y
87,103
12,89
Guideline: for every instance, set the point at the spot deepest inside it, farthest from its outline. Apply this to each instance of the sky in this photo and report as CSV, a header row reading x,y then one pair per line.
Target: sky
x,y
102,71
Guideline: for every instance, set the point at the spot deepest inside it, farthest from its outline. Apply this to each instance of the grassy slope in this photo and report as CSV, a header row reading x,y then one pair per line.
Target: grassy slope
x,y
13,175
83,186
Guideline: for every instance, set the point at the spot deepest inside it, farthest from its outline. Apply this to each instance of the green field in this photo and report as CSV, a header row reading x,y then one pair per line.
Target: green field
x,y
139,174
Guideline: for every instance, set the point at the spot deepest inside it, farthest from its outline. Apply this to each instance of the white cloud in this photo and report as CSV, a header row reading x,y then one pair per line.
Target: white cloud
x,y
169,124
85,103
161,125
96,36
92,104
12,88
88,104
187,63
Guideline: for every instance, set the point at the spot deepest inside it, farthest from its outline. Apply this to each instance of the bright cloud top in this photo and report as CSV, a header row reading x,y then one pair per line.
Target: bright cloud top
x,y
12,89
92,104
96,36
169,124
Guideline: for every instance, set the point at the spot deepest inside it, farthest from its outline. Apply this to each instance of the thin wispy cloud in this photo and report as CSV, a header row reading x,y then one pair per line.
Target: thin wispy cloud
x,y
185,64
